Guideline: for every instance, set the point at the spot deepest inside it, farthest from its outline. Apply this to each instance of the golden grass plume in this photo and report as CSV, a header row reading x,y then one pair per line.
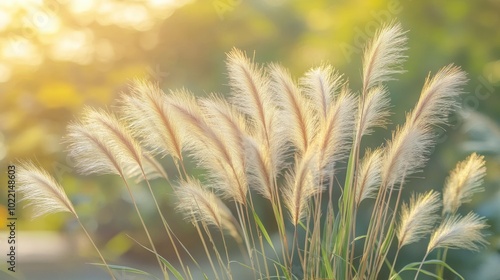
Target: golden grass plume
x,y
321,84
464,181
418,217
457,232
195,201
383,56
42,191
368,176
146,110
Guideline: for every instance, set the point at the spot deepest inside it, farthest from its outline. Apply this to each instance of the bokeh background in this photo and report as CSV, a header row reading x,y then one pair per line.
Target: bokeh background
x,y
56,56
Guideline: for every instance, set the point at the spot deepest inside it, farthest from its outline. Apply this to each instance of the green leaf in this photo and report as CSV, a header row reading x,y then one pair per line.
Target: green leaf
x,y
126,269
426,272
171,268
359,237
301,224
414,266
242,265
262,229
326,264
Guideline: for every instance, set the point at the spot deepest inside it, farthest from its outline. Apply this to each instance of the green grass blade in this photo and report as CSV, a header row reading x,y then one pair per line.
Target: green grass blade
x,y
326,264
126,269
262,229
302,225
171,268
359,237
414,266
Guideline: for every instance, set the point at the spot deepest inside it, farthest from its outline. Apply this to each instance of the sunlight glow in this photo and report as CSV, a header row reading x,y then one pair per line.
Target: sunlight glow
x,y
74,46
5,73
65,30
81,7
46,23
21,51
5,19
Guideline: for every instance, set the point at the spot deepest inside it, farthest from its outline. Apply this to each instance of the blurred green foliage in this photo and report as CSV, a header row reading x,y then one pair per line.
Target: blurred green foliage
x,y
58,56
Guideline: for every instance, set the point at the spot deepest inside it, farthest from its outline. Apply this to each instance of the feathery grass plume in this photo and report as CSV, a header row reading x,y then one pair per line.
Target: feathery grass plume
x,y
101,144
146,111
91,153
296,110
117,135
374,111
383,56
418,218
120,141
209,147
438,96
321,84
464,181
229,122
300,185
436,100
335,133
408,142
252,96
152,169
196,130
46,196
265,156
42,192
250,87
368,176
231,125
195,201
458,232
260,175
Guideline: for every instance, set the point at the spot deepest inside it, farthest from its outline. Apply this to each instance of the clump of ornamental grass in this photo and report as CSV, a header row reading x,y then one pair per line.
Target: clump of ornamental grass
x,y
283,138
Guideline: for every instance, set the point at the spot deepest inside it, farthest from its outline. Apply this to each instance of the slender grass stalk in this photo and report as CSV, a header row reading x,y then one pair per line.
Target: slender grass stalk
x,y
164,222
153,247
258,230
205,248
96,248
